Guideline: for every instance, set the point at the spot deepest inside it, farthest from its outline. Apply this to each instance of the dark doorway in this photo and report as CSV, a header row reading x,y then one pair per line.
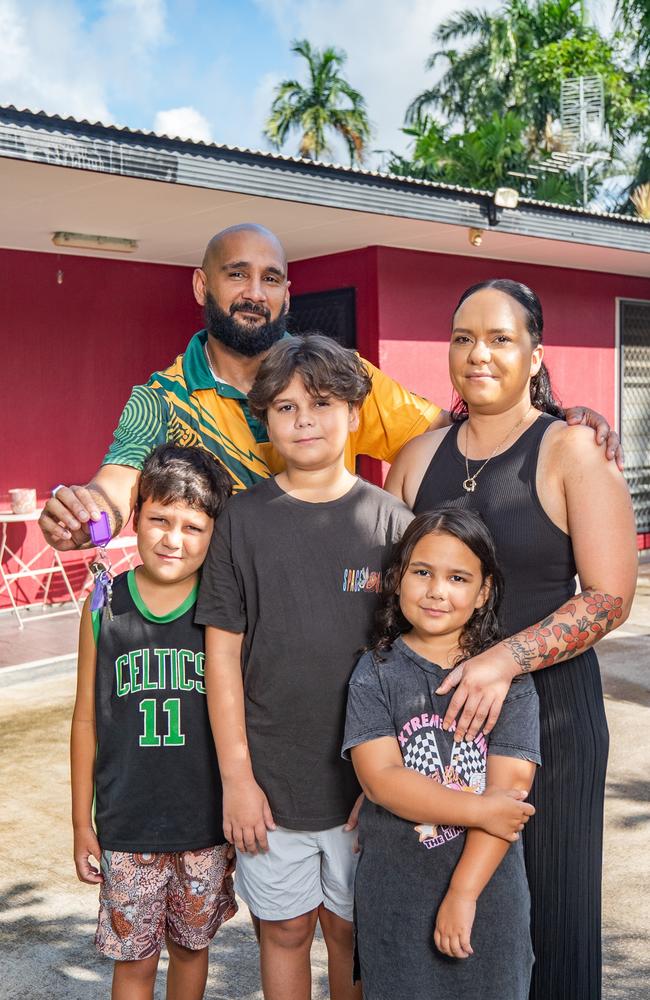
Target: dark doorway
x,y
332,313
635,405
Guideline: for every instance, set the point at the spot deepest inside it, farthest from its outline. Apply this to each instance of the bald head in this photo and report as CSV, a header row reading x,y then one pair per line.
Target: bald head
x,y
243,288
234,241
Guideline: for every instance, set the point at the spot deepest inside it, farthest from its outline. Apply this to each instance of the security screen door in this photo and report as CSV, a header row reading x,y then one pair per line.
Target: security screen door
x,y
332,313
634,325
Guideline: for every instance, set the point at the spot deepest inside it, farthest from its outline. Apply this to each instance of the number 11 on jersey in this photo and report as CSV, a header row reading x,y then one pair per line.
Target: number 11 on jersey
x,y
174,737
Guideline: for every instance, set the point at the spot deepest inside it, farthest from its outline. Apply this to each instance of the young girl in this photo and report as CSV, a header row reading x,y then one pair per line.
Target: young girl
x,y
442,904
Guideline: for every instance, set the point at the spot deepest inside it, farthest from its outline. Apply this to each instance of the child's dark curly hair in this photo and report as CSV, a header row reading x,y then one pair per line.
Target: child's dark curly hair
x,y
482,629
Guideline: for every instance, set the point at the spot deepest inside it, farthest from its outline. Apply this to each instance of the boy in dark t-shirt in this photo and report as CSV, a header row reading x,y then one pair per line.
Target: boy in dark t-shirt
x,y
141,742
289,591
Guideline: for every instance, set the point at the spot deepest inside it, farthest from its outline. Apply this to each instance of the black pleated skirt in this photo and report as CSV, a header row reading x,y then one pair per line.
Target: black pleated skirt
x,y
563,843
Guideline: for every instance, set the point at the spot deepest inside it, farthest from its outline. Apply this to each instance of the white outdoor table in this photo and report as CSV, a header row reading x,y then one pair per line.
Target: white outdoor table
x,y
30,569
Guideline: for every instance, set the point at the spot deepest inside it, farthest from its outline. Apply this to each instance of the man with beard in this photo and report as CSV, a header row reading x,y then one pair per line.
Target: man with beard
x,y
201,399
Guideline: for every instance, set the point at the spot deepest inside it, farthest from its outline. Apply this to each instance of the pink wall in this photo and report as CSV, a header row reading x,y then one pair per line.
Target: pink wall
x,y
74,350
416,294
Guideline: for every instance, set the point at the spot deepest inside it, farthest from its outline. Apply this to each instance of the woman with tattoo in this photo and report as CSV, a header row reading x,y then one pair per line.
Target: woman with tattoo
x,y
555,508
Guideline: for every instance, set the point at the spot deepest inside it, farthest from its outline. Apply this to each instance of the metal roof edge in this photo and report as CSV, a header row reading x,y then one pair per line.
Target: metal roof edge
x,y
82,145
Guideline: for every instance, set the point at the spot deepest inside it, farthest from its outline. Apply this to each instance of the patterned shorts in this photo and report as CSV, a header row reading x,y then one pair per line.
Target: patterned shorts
x,y
144,896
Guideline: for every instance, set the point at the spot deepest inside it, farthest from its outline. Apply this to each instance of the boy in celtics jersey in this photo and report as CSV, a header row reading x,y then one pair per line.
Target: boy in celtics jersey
x,y
141,743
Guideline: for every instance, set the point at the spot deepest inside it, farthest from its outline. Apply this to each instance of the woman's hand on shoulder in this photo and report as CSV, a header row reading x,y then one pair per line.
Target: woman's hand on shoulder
x,y
582,415
482,684
407,471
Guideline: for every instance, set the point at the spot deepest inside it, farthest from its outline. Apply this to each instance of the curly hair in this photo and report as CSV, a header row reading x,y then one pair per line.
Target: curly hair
x,y
482,629
325,367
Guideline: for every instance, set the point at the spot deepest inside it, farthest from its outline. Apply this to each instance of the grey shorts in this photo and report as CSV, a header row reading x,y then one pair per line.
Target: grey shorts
x,y
300,870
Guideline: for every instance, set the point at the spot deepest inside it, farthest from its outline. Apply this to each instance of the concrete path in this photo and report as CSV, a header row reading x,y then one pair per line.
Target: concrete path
x,y
47,917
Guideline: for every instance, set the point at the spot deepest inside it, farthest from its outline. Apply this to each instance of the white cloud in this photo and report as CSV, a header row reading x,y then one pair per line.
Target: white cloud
x,y
184,123
387,44
52,59
261,106
44,63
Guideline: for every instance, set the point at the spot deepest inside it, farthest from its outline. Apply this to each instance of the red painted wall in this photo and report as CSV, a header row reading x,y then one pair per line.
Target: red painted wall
x,y
416,294
74,350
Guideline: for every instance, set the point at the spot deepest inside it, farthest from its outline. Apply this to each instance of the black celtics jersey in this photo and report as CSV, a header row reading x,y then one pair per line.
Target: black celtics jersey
x,y
157,785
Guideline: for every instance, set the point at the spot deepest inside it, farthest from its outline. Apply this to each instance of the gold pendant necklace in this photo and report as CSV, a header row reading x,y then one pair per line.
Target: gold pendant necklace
x,y
469,484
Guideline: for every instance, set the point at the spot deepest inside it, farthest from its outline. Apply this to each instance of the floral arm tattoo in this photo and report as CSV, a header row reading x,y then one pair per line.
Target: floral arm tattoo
x,y
575,626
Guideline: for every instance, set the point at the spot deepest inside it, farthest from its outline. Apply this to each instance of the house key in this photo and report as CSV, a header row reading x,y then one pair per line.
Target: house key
x,y
102,592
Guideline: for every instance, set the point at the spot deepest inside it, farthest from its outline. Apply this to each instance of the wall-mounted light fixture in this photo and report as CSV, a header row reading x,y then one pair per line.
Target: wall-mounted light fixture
x,y
504,197
86,241
475,236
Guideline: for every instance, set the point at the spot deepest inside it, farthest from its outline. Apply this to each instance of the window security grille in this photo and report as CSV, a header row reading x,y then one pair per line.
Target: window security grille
x,y
332,313
635,405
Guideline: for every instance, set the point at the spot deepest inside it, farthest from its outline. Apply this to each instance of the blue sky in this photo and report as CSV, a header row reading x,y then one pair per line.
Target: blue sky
x,y
207,70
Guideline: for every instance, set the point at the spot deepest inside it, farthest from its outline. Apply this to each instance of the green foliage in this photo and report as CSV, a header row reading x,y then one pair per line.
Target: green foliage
x,y
481,158
328,103
587,55
634,18
489,74
506,75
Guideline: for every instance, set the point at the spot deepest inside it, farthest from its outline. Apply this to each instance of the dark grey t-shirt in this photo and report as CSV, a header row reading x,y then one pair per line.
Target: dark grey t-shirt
x,y
302,581
405,868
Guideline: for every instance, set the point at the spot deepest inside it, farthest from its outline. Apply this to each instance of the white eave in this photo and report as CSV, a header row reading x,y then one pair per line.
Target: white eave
x,y
172,195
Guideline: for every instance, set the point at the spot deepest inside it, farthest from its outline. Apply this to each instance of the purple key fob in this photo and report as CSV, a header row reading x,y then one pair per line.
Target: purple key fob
x,y
100,531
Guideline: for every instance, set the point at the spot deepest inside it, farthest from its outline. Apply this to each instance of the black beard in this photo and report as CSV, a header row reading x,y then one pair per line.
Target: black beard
x,y
243,338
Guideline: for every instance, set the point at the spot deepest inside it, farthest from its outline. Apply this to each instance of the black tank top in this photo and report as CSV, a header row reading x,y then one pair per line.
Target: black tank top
x,y
157,783
535,556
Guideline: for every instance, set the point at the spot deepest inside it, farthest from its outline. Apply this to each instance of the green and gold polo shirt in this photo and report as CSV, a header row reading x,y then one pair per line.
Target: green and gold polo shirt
x,y
187,405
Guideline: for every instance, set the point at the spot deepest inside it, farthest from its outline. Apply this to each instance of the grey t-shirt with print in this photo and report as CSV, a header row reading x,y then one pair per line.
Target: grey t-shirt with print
x,y
405,868
302,581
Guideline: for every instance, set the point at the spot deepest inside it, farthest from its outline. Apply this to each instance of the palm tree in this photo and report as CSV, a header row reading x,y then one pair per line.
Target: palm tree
x,y
488,75
634,17
328,103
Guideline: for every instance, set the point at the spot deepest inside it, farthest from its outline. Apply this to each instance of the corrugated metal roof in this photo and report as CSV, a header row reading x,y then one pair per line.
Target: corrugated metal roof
x,y
199,147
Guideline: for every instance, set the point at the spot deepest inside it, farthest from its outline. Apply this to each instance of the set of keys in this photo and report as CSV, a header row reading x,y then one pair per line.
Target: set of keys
x,y
100,533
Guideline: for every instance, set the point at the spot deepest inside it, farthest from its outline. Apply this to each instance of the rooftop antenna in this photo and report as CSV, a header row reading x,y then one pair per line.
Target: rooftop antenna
x,y
582,118
582,110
